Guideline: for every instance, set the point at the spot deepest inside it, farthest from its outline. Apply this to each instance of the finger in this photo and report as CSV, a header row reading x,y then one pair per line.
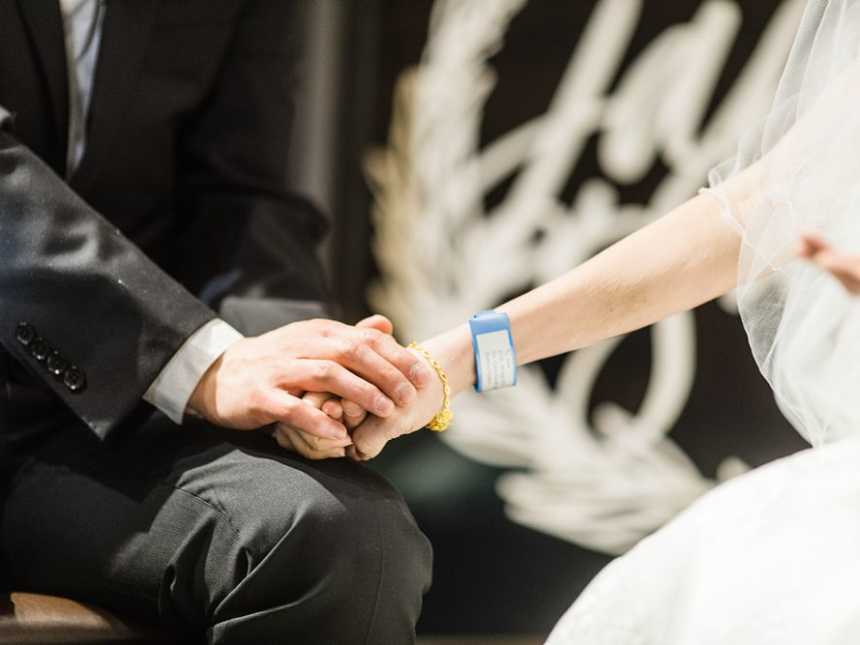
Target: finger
x,y
368,363
847,265
410,364
845,269
353,347
334,409
321,448
325,402
316,443
353,414
284,441
850,281
299,442
351,408
283,407
812,243
370,438
316,399
816,248
312,442
328,376
377,322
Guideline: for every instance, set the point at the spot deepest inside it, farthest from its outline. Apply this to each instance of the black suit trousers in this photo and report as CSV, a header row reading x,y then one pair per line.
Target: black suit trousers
x,y
216,533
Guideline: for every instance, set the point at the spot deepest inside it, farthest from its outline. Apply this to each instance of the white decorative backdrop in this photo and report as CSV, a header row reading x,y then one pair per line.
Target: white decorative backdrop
x,y
606,481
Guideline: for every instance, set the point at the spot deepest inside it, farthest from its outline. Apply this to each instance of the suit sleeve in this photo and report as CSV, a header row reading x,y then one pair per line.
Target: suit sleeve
x,y
261,236
80,304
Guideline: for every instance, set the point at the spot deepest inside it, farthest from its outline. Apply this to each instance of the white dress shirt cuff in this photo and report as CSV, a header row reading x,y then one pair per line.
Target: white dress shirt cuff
x,y
173,387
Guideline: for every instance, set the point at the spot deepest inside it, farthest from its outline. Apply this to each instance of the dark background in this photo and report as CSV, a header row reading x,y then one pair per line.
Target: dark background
x,y
492,576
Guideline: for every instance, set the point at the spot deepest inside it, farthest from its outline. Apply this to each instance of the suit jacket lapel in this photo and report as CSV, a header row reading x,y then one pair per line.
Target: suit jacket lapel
x,y
45,25
125,35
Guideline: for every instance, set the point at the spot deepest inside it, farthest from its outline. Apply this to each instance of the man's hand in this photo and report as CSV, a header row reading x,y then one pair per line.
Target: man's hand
x,y
348,413
371,433
259,381
844,267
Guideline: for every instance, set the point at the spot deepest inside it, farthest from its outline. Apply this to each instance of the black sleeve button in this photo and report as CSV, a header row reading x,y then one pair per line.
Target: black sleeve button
x,y
74,379
25,333
39,349
56,364
72,376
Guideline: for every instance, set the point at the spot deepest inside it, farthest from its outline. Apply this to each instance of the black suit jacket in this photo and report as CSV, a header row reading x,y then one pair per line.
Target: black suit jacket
x,y
179,206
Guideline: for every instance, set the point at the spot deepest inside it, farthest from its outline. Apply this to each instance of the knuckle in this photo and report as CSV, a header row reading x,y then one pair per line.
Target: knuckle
x,y
371,337
352,350
288,409
368,393
323,370
258,403
321,326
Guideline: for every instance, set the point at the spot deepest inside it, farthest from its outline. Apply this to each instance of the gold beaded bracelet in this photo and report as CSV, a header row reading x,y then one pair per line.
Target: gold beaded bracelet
x,y
443,418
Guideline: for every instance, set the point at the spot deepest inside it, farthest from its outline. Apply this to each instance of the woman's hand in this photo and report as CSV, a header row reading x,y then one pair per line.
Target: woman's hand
x,y
311,446
845,267
453,351
371,436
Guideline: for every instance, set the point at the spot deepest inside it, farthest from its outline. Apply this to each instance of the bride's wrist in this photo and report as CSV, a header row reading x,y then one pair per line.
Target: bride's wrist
x,y
453,351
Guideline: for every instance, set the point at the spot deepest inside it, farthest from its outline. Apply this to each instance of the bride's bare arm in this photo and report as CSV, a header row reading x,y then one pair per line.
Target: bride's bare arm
x,y
683,259
678,262
686,258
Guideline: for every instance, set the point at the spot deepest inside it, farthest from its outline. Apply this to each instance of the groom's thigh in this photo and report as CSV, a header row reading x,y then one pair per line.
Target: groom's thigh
x,y
217,532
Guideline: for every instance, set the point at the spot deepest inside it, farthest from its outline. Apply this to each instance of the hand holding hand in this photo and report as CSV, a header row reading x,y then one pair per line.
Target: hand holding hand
x,y
348,413
370,433
258,381
371,436
310,445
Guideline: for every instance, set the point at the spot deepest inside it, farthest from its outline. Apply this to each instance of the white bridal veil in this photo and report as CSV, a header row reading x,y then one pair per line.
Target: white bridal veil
x,y
799,171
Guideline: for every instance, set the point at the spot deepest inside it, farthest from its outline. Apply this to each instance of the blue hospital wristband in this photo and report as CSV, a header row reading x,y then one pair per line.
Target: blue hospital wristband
x,y
493,345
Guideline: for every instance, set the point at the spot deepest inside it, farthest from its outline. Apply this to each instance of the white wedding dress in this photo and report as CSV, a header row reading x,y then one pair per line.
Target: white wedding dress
x,y
772,557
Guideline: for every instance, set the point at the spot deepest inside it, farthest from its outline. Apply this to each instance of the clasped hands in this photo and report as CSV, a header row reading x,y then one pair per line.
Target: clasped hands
x,y
327,389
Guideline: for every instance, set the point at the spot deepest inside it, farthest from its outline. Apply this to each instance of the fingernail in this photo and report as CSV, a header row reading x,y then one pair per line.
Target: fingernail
x,y
384,406
404,394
